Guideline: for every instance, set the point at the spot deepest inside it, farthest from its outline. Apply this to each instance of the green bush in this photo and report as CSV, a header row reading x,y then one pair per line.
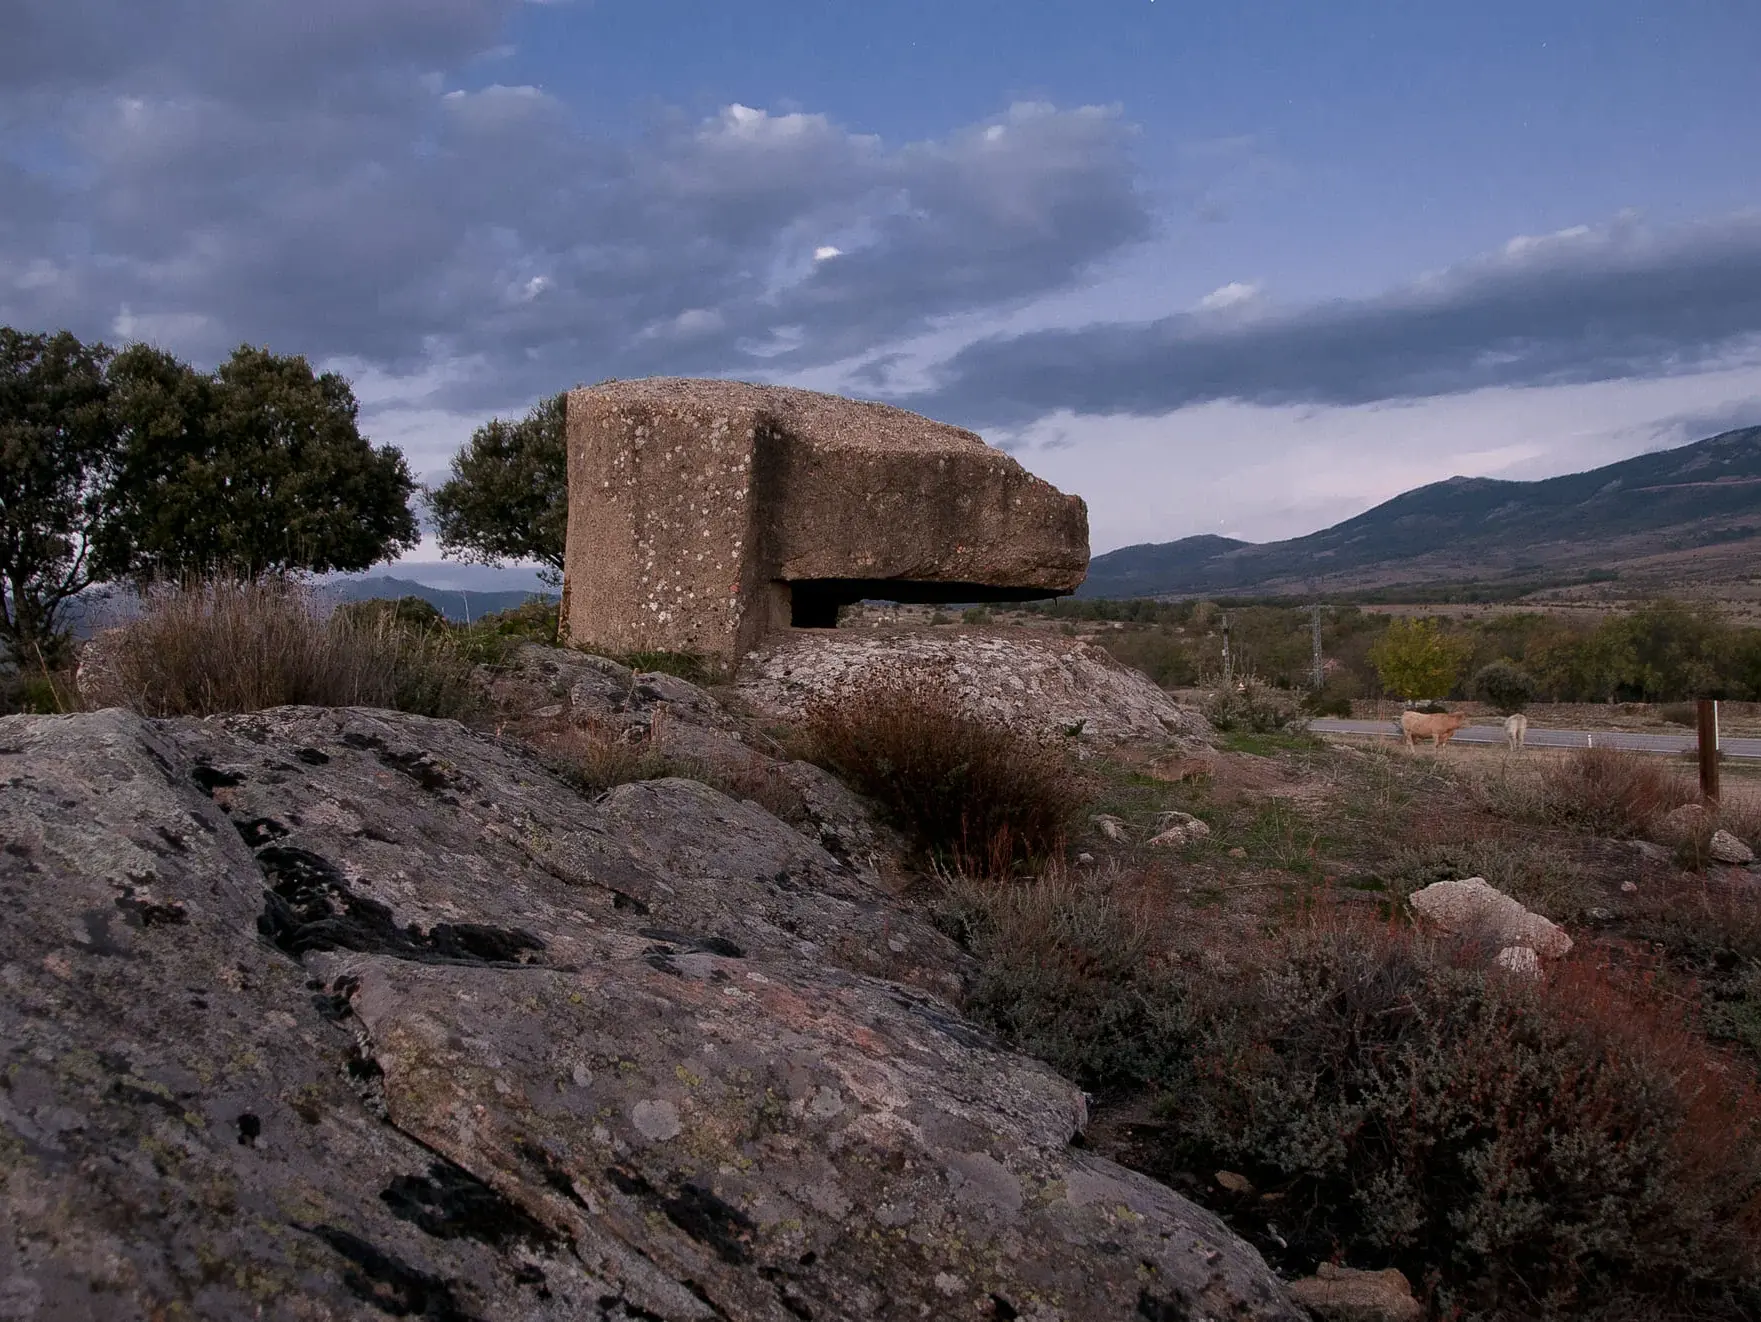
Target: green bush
x,y
39,693
407,612
534,620
693,667
1680,713
1066,974
1166,658
1319,704
1504,685
1608,791
1563,1148
970,790
1252,708
226,646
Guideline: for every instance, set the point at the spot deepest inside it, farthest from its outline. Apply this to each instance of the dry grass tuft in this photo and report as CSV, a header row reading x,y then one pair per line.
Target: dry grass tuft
x,y
223,647
970,790
1600,791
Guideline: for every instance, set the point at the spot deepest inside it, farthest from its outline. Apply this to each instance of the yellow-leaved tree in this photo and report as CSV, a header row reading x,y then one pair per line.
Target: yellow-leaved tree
x,y
1418,661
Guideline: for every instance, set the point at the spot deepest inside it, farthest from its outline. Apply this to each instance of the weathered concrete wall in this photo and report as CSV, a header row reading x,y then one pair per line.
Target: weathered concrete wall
x,y
700,510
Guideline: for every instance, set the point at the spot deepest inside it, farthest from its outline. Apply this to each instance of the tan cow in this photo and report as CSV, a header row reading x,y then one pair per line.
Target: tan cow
x,y
1440,727
1516,729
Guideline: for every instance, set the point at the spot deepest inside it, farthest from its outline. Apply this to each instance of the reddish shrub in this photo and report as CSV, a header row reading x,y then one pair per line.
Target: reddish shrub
x,y
1568,1147
970,790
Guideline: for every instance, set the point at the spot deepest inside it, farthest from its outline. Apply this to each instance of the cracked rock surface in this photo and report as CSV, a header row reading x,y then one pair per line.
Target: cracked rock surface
x,y
318,1014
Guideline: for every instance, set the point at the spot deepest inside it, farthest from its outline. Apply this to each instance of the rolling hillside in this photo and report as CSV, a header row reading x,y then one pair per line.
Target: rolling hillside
x,y
1688,515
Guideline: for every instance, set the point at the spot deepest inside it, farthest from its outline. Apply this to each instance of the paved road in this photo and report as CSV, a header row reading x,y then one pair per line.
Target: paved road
x,y
1539,738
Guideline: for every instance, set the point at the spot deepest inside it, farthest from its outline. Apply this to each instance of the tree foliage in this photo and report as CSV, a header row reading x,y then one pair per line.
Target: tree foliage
x,y
1504,684
136,465
58,456
259,469
1415,659
508,495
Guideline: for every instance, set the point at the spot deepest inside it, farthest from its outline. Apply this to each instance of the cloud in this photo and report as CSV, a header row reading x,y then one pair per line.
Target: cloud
x,y
300,175
1264,472
1230,295
1584,304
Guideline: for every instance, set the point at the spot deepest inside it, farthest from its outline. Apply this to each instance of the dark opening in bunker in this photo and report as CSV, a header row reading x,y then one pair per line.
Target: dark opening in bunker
x,y
814,602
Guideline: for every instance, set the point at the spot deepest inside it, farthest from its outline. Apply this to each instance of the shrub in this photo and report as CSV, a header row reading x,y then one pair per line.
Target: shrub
x,y
1536,873
1530,1149
1252,709
595,756
1065,974
1506,686
535,620
1601,791
407,612
38,693
693,667
1712,933
1166,658
975,615
1680,713
229,646
971,790
491,638
1319,704
1608,791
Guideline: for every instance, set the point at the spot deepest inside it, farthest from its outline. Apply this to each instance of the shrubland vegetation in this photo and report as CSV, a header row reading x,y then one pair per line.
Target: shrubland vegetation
x,y
972,792
135,467
1663,651
1582,1145
236,646
508,494
1256,1002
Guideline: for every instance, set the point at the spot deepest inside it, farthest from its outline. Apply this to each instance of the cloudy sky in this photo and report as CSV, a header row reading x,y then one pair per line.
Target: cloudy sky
x,y
1232,266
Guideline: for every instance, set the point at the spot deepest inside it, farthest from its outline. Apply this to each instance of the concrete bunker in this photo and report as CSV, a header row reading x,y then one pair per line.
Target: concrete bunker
x,y
705,515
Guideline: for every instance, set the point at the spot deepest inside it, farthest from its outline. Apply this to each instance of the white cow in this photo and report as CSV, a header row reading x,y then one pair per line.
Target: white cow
x,y
1516,729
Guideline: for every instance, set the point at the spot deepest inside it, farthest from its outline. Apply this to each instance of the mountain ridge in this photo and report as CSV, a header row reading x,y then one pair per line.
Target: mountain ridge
x,y
1690,510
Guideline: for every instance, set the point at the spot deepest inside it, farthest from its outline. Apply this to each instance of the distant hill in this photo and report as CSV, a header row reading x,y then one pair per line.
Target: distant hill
x,y
1691,514
101,607
461,606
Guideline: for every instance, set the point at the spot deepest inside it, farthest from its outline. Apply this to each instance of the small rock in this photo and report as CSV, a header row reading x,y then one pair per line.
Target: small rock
x,y
1342,1294
1194,828
656,1121
1683,823
1726,848
1472,906
1519,959
1238,852
1628,887
1177,836
1110,826
1233,1183
1651,850
1085,858
549,713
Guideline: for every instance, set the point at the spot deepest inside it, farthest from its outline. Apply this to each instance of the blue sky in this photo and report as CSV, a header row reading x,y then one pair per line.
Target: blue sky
x,y
1229,267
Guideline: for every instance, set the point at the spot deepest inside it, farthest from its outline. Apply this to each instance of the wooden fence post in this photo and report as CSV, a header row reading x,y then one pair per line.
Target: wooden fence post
x,y
1709,750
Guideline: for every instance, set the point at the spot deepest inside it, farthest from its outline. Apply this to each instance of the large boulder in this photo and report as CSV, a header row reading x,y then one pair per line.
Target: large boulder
x,y
320,1014
1474,908
705,515
1037,685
